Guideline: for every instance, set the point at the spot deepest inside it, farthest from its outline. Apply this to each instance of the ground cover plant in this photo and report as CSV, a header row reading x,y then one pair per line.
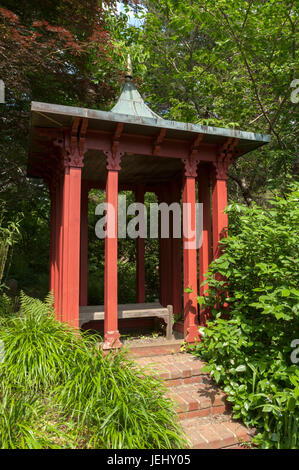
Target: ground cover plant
x,y
248,341
58,390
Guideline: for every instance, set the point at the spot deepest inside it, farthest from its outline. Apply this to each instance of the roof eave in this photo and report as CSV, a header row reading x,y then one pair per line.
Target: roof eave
x,y
56,110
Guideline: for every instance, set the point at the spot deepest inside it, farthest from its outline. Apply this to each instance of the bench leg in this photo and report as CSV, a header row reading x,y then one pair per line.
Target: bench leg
x,y
169,322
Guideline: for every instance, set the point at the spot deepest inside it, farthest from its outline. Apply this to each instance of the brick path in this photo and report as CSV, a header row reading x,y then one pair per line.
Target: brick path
x,y
200,404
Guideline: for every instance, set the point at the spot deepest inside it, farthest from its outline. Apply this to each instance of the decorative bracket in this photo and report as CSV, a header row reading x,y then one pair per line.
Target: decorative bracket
x,y
192,161
114,155
113,159
224,158
190,166
72,143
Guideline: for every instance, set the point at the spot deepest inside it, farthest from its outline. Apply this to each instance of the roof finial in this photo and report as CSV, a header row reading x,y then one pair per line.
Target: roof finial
x,y
129,73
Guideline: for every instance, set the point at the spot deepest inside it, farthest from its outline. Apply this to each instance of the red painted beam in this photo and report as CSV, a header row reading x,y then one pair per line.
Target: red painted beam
x,y
143,145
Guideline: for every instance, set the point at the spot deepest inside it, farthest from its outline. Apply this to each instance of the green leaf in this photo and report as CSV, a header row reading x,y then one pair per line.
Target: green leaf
x,y
285,293
216,375
188,290
291,404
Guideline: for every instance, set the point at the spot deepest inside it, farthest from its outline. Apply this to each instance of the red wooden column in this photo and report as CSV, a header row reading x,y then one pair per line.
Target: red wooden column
x,y
53,195
205,250
176,264
190,252
140,253
170,253
84,243
164,255
59,228
219,195
168,247
70,145
54,240
71,244
111,333
54,186
58,248
219,203
161,253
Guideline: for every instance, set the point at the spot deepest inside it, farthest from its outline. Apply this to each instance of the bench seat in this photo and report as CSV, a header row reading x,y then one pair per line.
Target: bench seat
x,y
96,312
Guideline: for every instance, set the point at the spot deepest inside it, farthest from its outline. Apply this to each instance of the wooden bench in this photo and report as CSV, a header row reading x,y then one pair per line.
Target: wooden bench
x,y
90,313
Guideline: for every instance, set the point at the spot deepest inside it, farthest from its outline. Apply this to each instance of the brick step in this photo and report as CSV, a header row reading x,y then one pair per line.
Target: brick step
x,y
174,369
219,432
165,348
198,399
200,404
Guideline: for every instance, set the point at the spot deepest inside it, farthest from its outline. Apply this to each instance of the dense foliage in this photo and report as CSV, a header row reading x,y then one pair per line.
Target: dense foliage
x,y
50,51
9,233
227,63
58,390
222,63
249,351
57,52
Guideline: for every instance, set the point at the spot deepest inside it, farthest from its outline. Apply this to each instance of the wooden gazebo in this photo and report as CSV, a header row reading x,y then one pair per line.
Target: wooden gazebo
x,y
132,148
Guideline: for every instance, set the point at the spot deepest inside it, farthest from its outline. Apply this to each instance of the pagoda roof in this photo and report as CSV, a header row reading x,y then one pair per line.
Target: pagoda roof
x,y
136,119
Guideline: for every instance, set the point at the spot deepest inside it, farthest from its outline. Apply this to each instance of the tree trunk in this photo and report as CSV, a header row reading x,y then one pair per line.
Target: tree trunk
x,y
244,188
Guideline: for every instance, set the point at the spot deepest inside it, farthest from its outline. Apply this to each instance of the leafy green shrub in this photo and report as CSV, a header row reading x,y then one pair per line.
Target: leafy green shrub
x,y
249,352
7,307
17,415
39,351
9,233
51,374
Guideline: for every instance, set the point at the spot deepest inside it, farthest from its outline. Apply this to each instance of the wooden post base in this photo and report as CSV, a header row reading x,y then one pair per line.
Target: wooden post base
x,y
111,340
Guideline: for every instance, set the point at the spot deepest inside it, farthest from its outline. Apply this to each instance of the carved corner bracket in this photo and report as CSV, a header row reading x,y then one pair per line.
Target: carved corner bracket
x,y
113,159
193,159
72,143
190,165
113,156
224,158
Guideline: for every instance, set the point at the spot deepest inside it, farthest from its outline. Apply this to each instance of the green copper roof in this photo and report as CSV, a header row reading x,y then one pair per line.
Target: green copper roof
x,y
131,103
